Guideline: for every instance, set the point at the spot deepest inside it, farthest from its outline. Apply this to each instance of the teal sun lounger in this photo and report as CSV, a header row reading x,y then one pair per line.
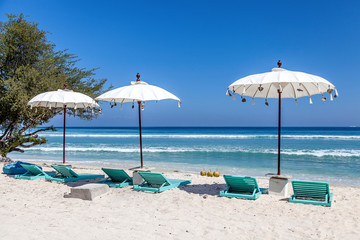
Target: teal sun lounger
x,y
66,174
316,193
242,187
157,182
33,172
117,178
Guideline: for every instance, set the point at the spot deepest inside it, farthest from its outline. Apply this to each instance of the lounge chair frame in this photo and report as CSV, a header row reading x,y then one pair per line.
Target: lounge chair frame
x,y
116,178
157,182
315,193
242,187
66,174
33,172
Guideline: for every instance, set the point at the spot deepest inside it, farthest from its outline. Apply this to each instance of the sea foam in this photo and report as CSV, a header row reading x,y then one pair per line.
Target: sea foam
x,y
210,149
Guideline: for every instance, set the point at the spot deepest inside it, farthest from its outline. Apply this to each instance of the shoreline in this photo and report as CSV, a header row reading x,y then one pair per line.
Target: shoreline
x,y
194,169
171,170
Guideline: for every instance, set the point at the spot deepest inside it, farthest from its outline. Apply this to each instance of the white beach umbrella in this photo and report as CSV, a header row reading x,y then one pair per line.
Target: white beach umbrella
x,y
281,83
63,99
140,92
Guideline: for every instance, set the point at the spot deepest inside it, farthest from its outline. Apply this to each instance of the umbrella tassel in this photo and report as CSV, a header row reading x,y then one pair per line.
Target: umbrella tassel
x,y
179,104
331,97
233,96
120,106
260,88
253,101
336,93
296,101
311,101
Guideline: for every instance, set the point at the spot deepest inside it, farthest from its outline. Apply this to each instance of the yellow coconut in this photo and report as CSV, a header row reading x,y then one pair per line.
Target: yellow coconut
x,y
203,173
209,174
216,174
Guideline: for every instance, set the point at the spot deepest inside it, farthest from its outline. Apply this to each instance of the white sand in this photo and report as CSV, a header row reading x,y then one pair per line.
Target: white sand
x,y
37,210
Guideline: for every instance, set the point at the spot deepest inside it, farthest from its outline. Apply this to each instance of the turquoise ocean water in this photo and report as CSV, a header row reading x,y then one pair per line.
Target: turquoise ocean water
x,y
324,154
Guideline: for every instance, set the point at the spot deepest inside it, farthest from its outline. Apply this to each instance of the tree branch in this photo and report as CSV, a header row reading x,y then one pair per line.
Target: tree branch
x,y
6,131
40,130
9,132
32,122
28,146
16,150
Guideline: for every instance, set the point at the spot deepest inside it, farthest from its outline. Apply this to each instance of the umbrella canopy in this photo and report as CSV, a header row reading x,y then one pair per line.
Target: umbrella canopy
x,y
291,84
140,92
63,99
281,83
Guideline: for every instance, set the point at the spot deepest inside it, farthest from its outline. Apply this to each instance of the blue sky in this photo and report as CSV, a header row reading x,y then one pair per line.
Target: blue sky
x,y
195,49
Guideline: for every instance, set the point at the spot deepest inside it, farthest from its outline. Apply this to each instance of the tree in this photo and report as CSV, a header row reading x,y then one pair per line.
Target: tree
x,y
30,65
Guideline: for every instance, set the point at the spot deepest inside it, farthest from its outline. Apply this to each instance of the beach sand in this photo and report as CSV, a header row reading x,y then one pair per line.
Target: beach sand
x,y
37,210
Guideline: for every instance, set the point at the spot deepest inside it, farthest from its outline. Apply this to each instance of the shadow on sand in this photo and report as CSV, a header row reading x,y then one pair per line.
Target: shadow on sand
x,y
82,182
202,189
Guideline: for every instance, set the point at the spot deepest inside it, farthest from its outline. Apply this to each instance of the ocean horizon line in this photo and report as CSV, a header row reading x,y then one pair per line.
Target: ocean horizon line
x,y
267,127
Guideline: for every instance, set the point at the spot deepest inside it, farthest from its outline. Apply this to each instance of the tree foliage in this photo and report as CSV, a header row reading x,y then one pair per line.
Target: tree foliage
x,y
30,65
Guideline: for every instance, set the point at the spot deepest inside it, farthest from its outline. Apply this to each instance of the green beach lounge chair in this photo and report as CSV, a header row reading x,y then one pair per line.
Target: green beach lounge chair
x,y
66,174
241,187
316,193
33,172
117,178
157,182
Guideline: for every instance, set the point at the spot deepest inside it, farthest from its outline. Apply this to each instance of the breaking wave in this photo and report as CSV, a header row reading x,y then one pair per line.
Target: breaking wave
x,y
295,152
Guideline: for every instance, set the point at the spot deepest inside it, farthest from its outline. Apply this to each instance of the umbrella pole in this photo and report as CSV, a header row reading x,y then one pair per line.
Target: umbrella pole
x,y
64,134
141,155
279,132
